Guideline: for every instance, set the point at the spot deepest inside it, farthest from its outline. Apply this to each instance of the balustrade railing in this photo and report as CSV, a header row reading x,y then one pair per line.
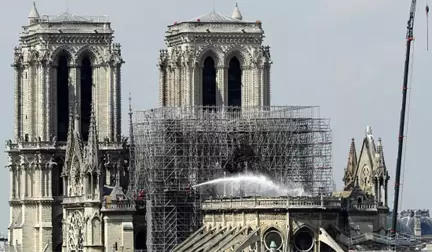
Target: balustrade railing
x,y
266,203
118,205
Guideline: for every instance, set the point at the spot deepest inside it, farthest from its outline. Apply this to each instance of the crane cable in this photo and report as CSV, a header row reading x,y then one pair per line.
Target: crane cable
x,y
427,25
407,122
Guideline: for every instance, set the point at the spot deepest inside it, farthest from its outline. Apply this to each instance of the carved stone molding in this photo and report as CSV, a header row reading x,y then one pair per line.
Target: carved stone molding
x,y
75,230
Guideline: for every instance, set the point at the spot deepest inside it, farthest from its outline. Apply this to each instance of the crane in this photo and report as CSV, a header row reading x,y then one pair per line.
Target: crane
x,y
409,39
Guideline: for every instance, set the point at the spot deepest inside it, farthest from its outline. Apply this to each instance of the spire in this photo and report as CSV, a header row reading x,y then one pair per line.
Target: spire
x,y
351,165
70,135
74,145
33,15
93,136
92,144
236,13
352,156
131,151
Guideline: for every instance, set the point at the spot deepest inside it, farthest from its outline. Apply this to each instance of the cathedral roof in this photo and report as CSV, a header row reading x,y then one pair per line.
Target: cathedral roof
x,y
69,17
214,17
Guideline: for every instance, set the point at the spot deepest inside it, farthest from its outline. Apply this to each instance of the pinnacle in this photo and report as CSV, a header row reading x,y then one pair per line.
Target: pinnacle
x,y
352,147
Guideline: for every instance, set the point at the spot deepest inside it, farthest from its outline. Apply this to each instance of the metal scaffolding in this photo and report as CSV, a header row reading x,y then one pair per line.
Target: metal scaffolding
x,y
176,148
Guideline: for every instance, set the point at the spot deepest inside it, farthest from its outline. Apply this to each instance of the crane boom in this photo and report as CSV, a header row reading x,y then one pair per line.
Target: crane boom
x,y
409,37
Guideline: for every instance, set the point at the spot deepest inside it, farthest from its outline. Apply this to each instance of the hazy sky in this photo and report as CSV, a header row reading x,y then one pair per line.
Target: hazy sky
x,y
346,56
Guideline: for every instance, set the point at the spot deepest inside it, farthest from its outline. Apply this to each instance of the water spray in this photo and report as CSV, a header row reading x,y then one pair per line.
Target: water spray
x,y
252,185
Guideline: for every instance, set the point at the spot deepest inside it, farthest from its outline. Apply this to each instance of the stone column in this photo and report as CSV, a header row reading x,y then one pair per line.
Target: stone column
x,y
53,102
111,103
377,190
117,104
12,186
183,85
41,180
257,86
18,101
267,91
86,187
48,102
386,193
188,85
95,99
30,98
262,86
161,85
179,84
17,180
49,194
221,85
248,80
46,180
75,92
24,180
40,113
194,85
199,85
97,193
65,192
91,186
175,85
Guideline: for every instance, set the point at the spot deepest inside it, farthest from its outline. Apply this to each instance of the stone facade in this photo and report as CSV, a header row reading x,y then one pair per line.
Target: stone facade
x,y
67,97
215,60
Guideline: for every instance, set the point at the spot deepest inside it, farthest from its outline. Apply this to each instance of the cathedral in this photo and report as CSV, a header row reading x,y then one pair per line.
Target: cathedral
x,y
75,178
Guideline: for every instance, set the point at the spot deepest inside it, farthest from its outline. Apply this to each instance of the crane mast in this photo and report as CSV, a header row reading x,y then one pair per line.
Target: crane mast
x,y
409,38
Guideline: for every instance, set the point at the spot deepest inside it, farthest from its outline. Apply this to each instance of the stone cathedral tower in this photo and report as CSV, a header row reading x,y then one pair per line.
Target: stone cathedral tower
x,y
215,60
67,97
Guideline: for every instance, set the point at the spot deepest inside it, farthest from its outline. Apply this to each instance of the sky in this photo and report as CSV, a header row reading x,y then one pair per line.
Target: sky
x,y
345,56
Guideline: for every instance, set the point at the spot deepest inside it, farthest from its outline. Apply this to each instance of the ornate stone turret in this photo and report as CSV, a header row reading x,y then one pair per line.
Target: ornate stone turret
x,y
33,16
236,13
381,176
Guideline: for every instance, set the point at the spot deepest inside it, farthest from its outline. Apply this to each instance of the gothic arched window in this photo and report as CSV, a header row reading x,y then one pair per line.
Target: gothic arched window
x,y
234,83
62,97
209,83
86,96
